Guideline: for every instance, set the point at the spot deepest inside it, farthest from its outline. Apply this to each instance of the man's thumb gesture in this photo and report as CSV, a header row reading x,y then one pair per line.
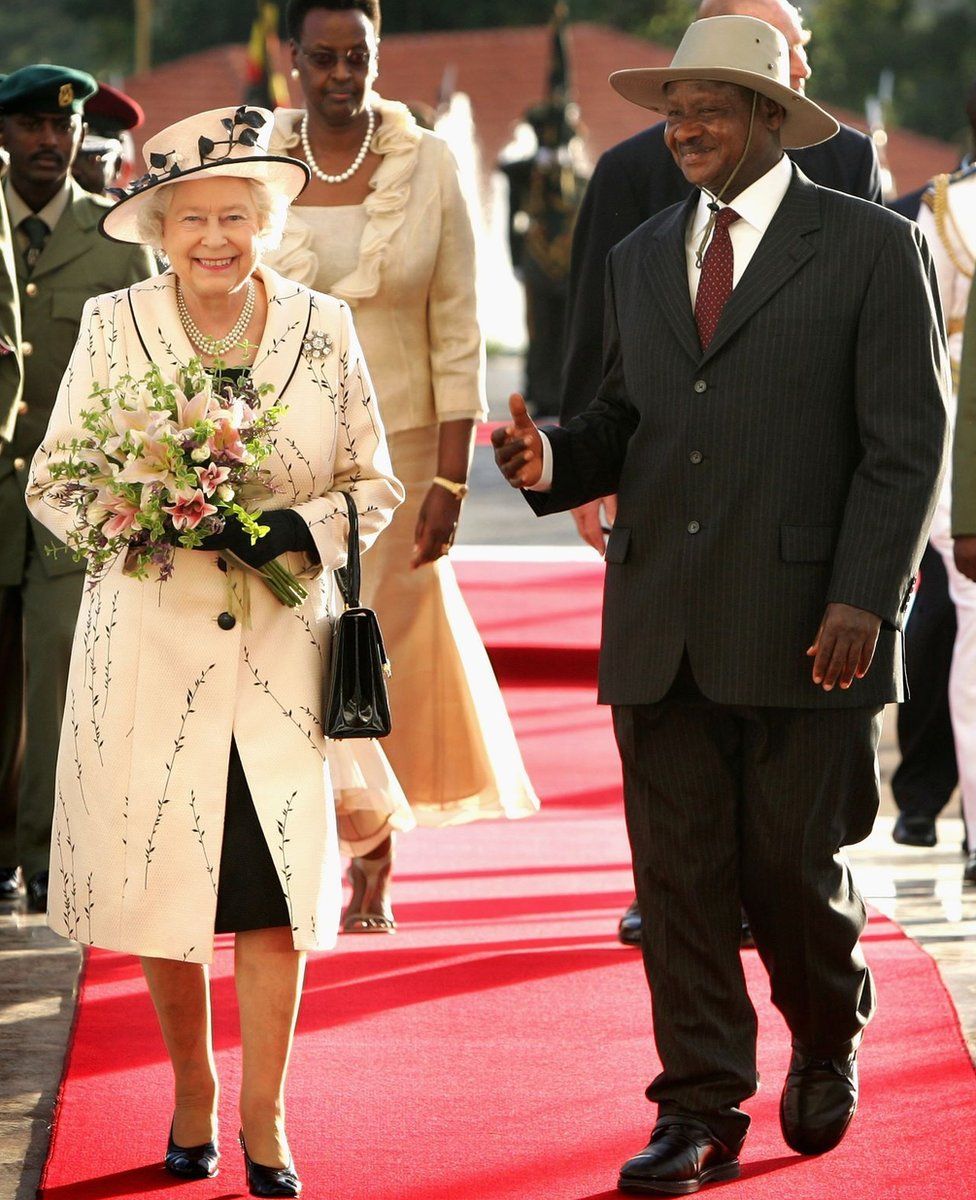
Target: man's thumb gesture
x,y
518,446
520,414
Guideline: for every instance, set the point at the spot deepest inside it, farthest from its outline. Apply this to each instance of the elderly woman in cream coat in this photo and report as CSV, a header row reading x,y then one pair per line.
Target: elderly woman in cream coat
x,y
385,227
167,683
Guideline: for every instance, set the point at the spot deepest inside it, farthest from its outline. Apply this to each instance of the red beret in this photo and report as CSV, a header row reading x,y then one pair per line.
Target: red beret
x,y
110,111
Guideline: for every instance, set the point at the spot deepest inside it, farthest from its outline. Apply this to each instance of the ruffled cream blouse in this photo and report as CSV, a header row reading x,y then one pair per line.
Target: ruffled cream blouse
x,y
412,288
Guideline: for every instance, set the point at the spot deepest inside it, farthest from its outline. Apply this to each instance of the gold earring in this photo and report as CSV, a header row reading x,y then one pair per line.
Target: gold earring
x,y
294,72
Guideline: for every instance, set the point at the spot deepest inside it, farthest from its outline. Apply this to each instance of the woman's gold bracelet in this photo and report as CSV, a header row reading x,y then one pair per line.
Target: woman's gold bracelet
x,y
458,490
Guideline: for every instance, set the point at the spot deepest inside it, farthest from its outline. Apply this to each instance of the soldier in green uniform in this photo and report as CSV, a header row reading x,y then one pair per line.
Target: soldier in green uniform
x,y
61,260
11,387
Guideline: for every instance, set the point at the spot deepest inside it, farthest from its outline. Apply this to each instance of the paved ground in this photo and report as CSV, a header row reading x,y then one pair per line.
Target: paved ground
x,y
920,889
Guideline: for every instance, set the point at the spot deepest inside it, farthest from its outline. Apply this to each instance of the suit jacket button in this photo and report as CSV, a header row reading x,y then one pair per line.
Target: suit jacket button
x,y
19,464
26,349
31,289
226,620
693,526
696,456
700,386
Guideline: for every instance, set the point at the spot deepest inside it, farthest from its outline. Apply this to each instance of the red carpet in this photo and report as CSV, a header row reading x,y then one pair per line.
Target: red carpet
x,y
497,1047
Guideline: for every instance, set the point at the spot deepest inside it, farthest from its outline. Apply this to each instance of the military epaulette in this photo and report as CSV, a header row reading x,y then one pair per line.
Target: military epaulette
x,y
941,182
936,198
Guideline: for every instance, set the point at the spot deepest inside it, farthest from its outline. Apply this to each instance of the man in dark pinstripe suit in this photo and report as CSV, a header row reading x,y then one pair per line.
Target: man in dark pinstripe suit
x,y
776,474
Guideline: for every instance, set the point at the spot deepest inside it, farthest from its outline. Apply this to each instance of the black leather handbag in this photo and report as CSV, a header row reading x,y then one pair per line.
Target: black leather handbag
x,y
357,704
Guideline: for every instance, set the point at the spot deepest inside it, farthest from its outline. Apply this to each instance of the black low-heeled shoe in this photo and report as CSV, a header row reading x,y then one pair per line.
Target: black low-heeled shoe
x,y
191,1162
270,1181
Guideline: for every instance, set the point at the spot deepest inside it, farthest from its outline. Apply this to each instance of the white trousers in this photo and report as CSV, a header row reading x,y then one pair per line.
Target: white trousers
x,y
962,677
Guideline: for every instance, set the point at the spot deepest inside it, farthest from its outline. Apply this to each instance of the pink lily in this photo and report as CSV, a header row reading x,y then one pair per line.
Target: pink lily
x,y
195,408
211,477
153,464
225,442
190,509
125,512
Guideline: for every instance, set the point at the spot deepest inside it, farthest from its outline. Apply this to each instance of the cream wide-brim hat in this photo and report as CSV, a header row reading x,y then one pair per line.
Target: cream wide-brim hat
x,y
742,50
222,142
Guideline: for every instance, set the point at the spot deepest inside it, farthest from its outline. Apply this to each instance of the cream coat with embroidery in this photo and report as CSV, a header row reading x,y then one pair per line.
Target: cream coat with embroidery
x,y
157,688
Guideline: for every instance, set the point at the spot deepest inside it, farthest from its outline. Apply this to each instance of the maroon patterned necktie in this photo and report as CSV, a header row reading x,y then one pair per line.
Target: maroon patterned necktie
x,y
715,283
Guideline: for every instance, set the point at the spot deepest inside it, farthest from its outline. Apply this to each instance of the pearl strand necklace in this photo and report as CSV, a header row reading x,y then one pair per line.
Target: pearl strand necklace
x,y
357,162
203,341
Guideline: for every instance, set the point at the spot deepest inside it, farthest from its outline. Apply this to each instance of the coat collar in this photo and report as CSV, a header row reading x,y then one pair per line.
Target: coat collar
x,y
164,342
74,234
784,248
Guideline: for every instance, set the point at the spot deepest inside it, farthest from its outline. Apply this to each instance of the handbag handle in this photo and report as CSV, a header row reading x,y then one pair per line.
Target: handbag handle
x,y
348,577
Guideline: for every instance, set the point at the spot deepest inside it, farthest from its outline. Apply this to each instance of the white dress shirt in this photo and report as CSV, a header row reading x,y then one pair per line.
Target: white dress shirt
x,y
756,206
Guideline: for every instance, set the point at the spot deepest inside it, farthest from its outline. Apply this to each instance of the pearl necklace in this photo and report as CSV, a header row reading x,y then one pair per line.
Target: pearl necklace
x,y
203,341
357,162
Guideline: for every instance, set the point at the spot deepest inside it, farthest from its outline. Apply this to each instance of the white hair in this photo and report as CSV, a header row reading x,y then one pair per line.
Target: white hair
x,y
271,207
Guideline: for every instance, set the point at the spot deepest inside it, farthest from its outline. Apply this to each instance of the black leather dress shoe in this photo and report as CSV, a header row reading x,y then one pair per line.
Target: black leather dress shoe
x,y
682,1155
270,1181
629,929
191,1162
11,882
914,831
819,1099
37,892
969,870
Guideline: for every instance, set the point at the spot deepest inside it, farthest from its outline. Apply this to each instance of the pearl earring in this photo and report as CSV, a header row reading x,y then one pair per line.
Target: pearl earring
x,y
294,72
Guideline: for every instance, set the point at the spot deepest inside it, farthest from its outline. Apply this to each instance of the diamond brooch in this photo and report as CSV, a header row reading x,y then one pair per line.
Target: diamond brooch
x,y
317,346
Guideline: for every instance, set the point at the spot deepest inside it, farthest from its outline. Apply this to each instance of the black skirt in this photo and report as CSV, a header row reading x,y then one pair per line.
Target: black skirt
x,y
249,894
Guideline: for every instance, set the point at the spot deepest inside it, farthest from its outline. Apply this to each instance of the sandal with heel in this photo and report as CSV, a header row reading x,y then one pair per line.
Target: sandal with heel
x,y
369,908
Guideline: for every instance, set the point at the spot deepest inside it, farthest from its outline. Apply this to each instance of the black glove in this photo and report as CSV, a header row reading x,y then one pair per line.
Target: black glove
x,y
286,531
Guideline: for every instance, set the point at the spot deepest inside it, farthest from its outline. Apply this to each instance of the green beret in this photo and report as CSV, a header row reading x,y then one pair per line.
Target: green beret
x,y
46,88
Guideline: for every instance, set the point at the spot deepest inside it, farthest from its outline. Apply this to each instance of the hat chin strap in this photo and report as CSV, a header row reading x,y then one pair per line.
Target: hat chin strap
x,y
716,197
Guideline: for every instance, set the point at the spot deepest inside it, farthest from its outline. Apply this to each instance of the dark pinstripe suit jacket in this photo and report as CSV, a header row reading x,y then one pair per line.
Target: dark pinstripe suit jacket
x,y
793,463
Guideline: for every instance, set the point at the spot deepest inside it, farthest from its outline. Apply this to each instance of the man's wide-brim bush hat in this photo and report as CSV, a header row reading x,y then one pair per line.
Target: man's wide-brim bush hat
x,y
742,50
222,142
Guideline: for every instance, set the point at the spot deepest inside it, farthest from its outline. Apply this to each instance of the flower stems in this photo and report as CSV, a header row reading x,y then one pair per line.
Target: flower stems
x,y
283,584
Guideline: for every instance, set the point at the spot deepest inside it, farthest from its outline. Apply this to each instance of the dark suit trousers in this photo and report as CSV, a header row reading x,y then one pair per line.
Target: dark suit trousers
x,y
726,803
927,773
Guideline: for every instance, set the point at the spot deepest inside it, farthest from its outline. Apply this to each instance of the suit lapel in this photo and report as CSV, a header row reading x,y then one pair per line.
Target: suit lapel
x,y
69,238
783,250
153,307
667,270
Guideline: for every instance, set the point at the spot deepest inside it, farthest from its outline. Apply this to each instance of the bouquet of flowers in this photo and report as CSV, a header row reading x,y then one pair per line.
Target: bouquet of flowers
x,y
165,465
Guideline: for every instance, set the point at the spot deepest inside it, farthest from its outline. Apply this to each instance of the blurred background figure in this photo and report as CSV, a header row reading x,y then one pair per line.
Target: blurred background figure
x,y
947,217
545,192
106,153
61,260
384,226
928,773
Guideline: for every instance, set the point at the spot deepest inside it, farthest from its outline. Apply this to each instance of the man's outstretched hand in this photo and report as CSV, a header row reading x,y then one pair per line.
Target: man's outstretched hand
x,y
844,646
518,446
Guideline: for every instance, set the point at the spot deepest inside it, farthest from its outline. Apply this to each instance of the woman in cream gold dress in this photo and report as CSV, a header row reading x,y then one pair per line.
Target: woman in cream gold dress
x,y
383,226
